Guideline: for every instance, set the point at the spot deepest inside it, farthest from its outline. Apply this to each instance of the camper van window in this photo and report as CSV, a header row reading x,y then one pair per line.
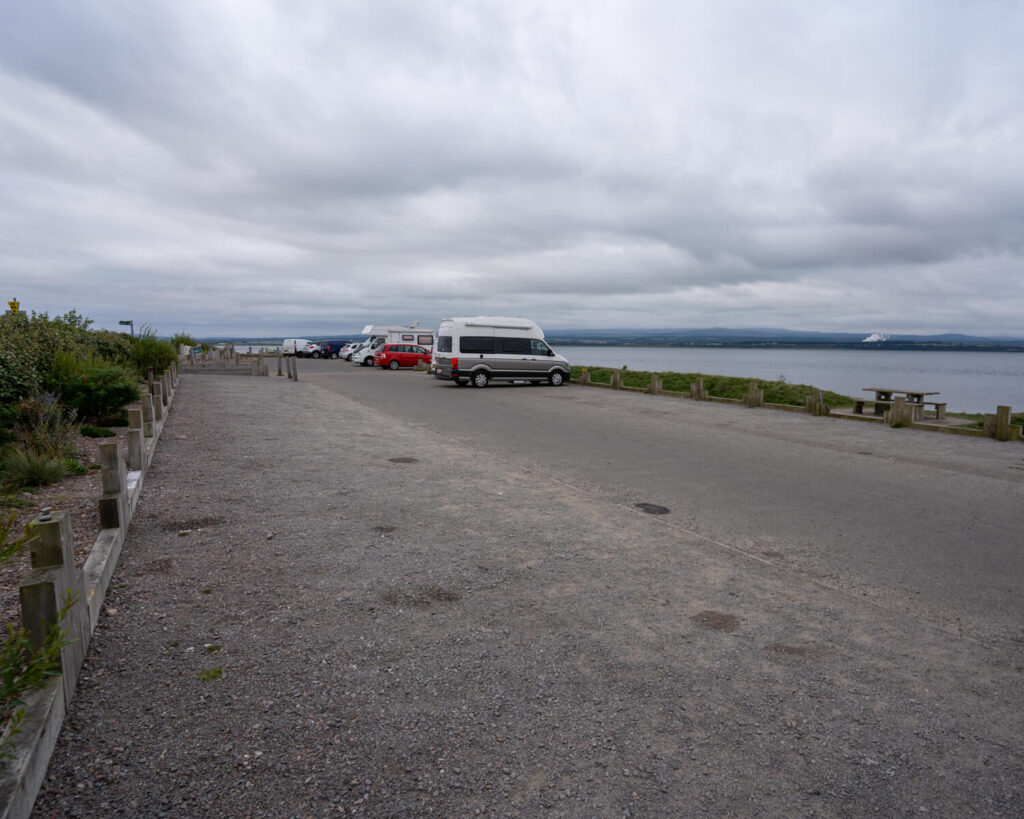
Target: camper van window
x,y
444,344
406,336
519,346
477,344
539,347
425,340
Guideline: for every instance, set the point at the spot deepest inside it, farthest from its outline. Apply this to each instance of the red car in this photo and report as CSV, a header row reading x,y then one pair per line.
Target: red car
x,y
394,356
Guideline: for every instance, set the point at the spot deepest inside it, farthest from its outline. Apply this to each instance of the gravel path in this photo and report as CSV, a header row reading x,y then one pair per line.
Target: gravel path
x,y
391,641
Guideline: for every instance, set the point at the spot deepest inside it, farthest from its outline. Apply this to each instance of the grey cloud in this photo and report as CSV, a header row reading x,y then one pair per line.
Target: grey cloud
x,y
321,164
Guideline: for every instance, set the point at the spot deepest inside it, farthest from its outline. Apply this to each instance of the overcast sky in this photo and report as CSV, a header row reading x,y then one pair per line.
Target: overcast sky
x,y
305,167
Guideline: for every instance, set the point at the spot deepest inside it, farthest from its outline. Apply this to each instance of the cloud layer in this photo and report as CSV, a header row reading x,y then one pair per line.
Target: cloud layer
x,y
308,167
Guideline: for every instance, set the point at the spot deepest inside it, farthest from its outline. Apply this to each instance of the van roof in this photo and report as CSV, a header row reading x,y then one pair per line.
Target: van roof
x,y
512,322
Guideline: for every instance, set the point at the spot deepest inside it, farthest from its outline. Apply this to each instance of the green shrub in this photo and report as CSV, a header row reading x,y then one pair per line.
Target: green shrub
x,y
112,347
20,468
97,432
100,392
73,467
148,351
181,337
46,426
29,343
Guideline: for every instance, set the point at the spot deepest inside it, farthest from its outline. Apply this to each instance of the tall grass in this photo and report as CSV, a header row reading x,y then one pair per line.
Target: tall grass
x,y
20,467
718,386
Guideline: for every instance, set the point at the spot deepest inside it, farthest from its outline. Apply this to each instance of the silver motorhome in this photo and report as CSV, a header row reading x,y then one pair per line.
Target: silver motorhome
x,y
480,349
377,335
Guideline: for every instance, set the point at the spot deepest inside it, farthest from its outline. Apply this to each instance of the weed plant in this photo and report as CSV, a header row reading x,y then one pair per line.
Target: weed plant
x,y
24,668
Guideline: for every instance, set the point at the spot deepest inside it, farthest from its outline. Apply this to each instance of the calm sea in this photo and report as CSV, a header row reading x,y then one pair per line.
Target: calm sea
x,y
967,382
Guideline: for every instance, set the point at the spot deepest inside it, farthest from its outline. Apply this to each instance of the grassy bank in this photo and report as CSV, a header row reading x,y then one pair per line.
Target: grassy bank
x,y
719,386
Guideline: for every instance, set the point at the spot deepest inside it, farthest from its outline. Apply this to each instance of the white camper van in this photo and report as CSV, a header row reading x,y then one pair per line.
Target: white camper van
x,y
294,346
480,349
378,335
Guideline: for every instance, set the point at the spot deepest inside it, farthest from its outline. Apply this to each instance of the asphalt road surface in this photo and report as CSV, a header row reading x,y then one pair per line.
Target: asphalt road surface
x,y
923,522
371,593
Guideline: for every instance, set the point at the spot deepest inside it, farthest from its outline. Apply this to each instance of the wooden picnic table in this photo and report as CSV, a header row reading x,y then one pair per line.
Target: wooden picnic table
x,y
884,397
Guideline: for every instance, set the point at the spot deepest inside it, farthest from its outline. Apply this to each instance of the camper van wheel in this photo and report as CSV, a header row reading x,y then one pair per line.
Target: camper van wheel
x,y
480,379
393,365
556,378
368,361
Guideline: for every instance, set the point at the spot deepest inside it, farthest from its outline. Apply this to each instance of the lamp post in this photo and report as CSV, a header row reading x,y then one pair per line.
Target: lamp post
x,y
130,324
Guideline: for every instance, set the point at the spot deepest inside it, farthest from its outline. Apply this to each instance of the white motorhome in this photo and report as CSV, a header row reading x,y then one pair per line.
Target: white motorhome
x,y
480,349
378,335
294,346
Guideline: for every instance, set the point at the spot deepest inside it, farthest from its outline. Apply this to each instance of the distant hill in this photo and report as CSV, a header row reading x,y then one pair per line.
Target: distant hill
x,y
735,337
776,337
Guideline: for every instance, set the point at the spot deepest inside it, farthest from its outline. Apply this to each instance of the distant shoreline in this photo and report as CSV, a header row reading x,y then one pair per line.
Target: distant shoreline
x,y
903,346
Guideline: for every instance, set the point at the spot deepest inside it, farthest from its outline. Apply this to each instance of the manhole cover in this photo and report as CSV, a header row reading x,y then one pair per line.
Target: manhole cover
x,y
652,508
402,459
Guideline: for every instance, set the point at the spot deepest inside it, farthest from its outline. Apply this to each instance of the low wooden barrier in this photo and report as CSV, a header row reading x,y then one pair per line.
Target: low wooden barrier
x,y
57,592
901,414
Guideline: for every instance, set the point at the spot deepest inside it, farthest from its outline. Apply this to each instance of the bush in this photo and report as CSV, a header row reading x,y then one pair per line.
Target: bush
x,y
97,432
100,392
28,346
181,337
45,426
148,351
20,468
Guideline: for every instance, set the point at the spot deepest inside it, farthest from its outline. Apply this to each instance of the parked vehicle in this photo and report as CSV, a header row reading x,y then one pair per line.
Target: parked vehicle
x,y
311,350
379,334
351,349
331,348
394,356
480,349
294,346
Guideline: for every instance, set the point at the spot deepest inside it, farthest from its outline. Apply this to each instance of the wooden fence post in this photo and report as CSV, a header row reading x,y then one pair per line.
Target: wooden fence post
x,y
44,593
158,401
114,501
147,415
697,390
134,440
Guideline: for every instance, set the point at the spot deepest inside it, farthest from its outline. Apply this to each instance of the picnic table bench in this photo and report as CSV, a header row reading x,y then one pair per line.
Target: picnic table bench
x,y
915,399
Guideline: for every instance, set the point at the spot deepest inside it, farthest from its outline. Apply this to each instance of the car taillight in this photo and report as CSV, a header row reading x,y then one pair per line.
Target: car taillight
x,y
455,363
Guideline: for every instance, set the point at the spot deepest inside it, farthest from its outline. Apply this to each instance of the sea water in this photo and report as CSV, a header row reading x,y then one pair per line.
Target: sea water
x,y
966,381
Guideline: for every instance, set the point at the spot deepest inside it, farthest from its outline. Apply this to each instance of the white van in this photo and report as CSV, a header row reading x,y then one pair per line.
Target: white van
x,y
377,335
294,346
480,349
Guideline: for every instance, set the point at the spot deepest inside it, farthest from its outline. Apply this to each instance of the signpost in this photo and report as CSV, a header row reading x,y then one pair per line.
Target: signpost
x,y
132,325
14,304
